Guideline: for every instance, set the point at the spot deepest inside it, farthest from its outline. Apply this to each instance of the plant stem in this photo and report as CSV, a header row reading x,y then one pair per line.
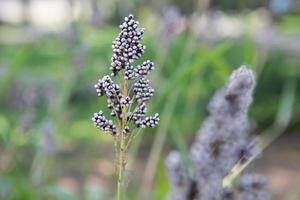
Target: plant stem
x,y
119,190
121,165
122,145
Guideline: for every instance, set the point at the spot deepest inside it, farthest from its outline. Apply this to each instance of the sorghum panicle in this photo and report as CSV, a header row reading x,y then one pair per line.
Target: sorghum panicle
x,y
126,49
222,142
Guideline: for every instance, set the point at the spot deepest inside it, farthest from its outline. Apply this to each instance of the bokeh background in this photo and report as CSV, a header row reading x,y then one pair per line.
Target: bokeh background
x,y
53,51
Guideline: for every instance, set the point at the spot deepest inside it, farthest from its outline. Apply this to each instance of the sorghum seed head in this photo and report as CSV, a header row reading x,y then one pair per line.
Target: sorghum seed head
x,y
126,49
223,142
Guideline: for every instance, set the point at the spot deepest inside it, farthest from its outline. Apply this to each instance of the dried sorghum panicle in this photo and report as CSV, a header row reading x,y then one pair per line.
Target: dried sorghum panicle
x,y
223,141
126,49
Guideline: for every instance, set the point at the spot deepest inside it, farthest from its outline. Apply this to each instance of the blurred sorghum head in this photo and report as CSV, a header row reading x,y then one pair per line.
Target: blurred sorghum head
x,y
222,143
126,105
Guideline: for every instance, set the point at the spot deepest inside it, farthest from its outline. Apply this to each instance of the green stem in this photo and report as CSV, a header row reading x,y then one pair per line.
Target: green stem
x,y
121,166
119,190
122,145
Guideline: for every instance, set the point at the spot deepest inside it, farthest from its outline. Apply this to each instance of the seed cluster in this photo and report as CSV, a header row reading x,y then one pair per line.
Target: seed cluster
x,y
144,69
151,121
222,143
139,115
127,49
102,123
142,90
125,102
106,86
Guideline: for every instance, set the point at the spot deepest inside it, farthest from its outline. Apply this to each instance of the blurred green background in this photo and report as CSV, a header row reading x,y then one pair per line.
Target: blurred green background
x,y
52,52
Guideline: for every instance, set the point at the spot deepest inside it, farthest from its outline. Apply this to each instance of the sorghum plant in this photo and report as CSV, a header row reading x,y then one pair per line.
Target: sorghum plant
x,y
222,144
128,100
